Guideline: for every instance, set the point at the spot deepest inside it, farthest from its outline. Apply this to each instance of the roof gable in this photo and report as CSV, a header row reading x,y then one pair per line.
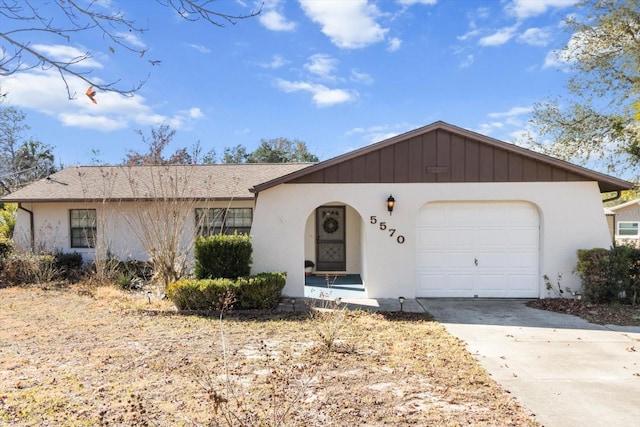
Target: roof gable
x,y
623,206
101,183
442,153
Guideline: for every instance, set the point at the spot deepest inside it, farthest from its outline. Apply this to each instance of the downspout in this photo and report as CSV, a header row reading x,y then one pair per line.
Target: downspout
x,y
616,197
31,227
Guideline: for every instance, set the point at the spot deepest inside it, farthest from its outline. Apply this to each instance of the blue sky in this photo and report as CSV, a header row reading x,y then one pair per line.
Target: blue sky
x,y
337,74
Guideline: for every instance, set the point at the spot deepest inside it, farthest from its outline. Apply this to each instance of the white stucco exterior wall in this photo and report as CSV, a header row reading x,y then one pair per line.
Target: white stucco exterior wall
x,y
571,218
114,228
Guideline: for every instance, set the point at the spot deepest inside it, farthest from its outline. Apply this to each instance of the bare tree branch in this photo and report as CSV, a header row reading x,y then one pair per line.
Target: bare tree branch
x,y
24,21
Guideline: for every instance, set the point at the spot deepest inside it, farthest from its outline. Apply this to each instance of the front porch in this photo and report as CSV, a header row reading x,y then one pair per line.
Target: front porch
x,y
334,285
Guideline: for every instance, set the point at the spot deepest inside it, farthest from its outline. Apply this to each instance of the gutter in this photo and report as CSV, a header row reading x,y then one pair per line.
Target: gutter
x,y
616,197
31,226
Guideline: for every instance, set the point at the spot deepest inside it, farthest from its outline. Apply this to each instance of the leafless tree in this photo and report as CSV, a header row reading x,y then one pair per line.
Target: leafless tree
x,y
24,21
162,217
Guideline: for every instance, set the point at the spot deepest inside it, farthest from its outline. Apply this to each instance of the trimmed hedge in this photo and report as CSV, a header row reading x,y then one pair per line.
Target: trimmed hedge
x,y
262,291
227,256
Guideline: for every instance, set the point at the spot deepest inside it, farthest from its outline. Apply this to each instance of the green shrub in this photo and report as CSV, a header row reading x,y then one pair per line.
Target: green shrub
x,y
227,256
261,291
6,246
204,294
68,265
608,274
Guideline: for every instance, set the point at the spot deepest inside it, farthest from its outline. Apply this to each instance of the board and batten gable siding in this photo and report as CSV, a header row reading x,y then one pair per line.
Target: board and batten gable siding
x,y
440,156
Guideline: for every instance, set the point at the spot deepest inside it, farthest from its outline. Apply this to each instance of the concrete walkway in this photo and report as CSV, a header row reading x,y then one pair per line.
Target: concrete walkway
x,y
565,370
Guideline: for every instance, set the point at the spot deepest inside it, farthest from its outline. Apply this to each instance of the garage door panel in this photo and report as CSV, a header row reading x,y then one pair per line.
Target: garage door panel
x,y
503,237
459,260
491,238
436,216
528,261
431,260
431,238
491,282
460,215
518,237
491,261
460,282
457,239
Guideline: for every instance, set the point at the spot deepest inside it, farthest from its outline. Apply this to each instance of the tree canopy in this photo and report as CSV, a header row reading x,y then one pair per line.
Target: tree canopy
x,y
275,150
21,160
599,121
161,137
26,21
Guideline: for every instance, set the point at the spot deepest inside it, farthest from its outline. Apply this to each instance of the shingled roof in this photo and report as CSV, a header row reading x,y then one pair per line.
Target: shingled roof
x,y
125,183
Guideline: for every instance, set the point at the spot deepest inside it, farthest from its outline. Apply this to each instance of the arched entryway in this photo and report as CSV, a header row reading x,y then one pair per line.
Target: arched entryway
x,y
333,243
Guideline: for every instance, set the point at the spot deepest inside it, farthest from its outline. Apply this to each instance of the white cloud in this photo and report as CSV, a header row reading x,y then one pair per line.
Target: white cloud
x,y
195,113
394,44
515,111
528,8
322,95
378,133
536,36
349,24
131,39
66,53
322,65
275,21
200,48
44,91
498,38
361,77
557,59
508,124
277,61
488,128
467,61
88,121
412,2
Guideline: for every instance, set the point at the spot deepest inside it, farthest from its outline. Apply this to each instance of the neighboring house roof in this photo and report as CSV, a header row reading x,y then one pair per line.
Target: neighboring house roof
x,y
441,152
99,183
621,206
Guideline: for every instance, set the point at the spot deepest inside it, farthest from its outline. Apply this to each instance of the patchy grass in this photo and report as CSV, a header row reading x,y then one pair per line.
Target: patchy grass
x,y
75,357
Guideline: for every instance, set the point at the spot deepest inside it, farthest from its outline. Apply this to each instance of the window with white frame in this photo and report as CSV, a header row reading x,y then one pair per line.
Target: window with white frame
x,y
83,226
223,220
627,229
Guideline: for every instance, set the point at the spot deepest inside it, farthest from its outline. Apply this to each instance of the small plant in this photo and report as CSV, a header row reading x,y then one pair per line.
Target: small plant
x,y
557,287
308,267
273,395
328,317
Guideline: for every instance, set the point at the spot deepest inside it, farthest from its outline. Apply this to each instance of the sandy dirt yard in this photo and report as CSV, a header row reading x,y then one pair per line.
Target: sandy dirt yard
x,y
98,356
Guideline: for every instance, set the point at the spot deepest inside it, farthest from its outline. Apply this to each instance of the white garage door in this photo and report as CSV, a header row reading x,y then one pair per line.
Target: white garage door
x,y
478,249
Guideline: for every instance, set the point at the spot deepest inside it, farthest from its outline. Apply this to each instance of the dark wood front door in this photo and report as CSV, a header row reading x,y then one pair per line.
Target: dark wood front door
x,y
330,241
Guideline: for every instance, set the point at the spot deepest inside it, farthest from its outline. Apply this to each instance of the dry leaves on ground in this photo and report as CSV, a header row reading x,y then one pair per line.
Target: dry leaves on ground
x,y
603,314
76,359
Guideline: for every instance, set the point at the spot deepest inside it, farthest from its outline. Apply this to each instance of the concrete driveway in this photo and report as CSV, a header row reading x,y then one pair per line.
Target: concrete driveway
x,y
565,370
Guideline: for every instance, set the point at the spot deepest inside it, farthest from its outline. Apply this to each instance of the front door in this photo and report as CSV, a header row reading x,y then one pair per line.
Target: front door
x,y
330,242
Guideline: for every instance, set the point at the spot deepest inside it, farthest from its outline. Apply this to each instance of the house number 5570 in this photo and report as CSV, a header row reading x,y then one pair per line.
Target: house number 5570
x,y
382,225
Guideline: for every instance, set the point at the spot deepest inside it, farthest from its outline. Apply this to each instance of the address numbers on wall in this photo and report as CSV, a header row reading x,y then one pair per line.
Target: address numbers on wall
x,y
383,226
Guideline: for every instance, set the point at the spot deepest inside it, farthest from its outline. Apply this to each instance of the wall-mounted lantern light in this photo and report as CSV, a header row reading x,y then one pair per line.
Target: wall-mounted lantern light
x,y
390,204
